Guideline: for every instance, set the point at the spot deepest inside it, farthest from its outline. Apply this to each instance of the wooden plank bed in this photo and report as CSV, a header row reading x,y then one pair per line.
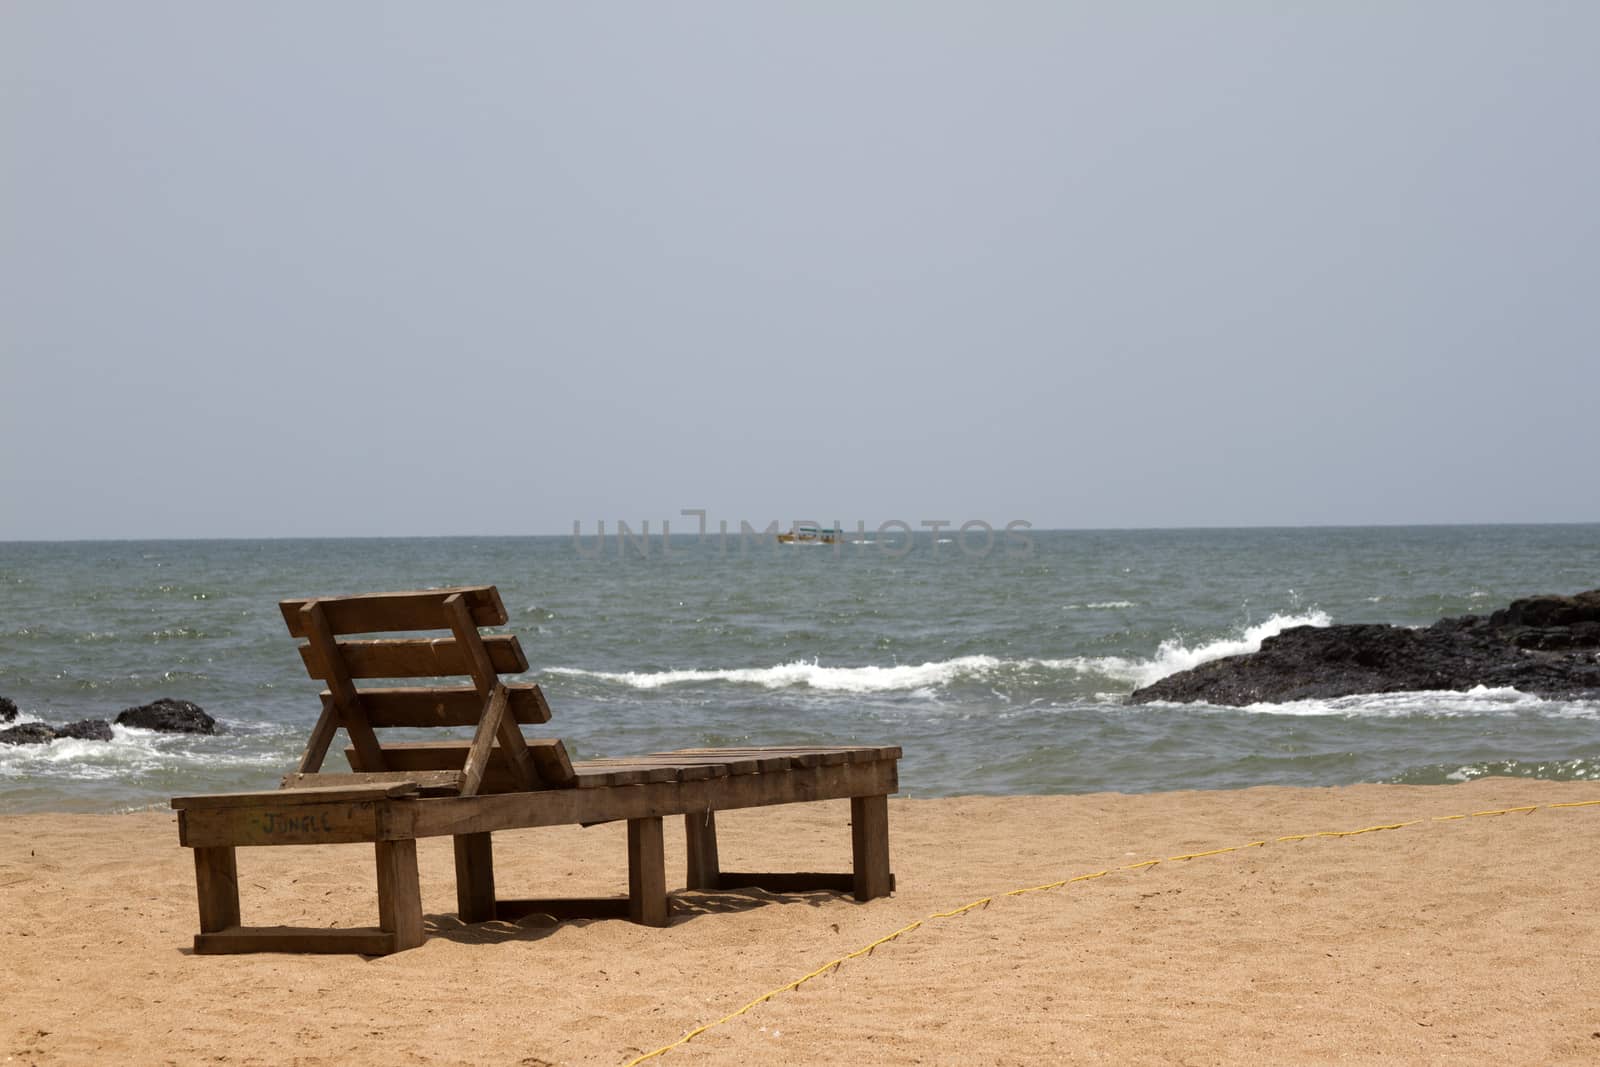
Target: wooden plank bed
x,y
401,791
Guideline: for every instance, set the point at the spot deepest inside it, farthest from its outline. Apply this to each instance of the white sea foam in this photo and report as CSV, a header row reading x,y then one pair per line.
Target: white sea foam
x,y
130,752
1099,605
1425,703
1170,657
1173,655
811,674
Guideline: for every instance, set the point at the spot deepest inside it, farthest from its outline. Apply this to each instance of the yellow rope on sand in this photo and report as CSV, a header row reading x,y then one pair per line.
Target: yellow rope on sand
x,y
984,902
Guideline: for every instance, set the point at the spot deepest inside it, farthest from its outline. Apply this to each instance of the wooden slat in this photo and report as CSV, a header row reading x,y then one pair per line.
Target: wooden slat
x,y
789,881
428,783
556,807
414,657
345,698
365,940
685,770
489,687
349,788
550,760
287,820
322,735
586,775
427,706
450,754
388,612
563,908
483,743
853,753
459,621
719,766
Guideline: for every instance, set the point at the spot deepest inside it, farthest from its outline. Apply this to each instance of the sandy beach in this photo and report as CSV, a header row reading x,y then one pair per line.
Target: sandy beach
x,y
1472,939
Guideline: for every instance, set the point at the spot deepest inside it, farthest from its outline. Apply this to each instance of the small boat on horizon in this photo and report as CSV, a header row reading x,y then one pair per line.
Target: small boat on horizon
x,y
805,533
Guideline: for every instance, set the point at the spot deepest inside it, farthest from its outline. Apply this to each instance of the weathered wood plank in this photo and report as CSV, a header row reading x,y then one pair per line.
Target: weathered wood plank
x,y
365,940
386,612
489,687
791,881
475,901
470,642
700,839
325,789
719,766
563,908
551,761
286,821
682,770
436,756
448,753
346,701
869,846
413,657
853,753
427,783
554,807
216,880
399,893
619,773
482,743
647,872
322,735
428,706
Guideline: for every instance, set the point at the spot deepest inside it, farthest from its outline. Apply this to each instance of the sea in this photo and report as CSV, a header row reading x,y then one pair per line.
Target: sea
x,y
1000,661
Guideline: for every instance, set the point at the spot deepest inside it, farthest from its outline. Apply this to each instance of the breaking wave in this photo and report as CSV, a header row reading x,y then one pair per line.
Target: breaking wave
x,y
811,674
1172,656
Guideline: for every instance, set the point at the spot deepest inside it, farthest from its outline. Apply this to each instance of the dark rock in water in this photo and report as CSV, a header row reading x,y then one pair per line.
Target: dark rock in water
x,y
1544,645
8,709
169,716
29,733
86,730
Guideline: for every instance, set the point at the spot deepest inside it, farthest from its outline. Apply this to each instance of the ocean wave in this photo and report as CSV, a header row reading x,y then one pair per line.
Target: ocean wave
x,y
1170,657
1173,655
1099,605
1422,703
1434,703
130,751
808,673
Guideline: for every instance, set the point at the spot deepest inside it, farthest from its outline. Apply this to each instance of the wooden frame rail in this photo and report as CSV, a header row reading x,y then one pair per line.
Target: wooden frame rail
x,y
393,815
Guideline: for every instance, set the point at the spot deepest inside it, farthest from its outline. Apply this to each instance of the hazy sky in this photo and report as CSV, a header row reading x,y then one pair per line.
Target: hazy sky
x,y
384,268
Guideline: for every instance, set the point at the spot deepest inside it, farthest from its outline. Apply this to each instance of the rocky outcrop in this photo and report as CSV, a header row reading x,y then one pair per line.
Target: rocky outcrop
x,y
86,730
29,733
1545,645
8,709
169,716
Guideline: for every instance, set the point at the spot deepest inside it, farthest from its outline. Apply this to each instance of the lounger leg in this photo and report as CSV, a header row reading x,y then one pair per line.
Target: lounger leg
x,y
474,878
399,893
869,845
700,834
216,879
647,872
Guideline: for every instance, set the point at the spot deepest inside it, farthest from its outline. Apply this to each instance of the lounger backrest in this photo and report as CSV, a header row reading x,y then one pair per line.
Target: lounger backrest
x,y
455,647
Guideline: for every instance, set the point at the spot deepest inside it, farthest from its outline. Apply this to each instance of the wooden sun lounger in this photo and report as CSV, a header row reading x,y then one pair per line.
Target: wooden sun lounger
x,y
401,791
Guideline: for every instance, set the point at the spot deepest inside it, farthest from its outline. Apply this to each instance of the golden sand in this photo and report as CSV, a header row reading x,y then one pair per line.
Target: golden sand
x,y
1447,941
